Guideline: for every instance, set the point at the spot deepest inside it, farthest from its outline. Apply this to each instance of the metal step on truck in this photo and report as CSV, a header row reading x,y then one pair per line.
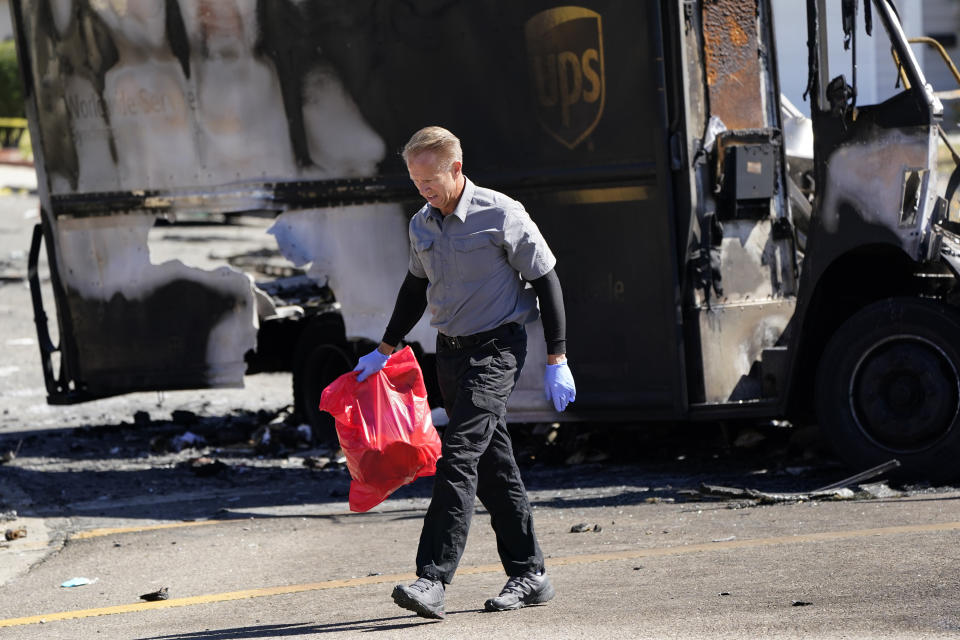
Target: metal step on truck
x,y
710,270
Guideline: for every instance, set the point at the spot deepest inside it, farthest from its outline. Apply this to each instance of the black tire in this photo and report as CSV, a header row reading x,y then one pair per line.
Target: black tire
x,y
888,386
316,366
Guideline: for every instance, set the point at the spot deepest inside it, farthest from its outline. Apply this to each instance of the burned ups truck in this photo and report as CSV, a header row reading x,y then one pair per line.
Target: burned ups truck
x,y
709,271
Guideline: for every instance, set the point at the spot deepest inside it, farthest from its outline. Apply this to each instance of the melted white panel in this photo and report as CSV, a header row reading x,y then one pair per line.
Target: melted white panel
x,y
109,255
241,124
361,253
91,135
149,104
340,141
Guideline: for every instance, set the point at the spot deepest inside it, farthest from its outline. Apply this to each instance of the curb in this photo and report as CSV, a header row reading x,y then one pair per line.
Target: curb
x,y
42,540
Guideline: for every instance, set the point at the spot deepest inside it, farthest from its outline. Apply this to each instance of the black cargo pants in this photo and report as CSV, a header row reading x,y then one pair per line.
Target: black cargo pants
x,y
476,376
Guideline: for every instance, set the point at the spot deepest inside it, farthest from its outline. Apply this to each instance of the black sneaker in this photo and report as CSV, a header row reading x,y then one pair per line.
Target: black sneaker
x,y
424,597
529,588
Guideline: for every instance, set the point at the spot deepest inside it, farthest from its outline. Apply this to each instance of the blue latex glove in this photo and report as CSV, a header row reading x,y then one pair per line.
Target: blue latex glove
x,y
370,364
559,386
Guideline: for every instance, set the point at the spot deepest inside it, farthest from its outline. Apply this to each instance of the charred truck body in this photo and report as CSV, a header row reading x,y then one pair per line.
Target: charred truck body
x,y
646,139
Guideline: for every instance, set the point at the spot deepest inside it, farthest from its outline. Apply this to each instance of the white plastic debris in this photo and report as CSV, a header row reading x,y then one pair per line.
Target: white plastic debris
x,y
78,582
305,433
186,439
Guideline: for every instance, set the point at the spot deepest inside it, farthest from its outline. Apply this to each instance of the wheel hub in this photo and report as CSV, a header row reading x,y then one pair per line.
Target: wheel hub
x,y
904,393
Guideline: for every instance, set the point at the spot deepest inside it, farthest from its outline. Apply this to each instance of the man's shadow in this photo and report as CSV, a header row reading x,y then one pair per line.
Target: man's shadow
x,y
293,630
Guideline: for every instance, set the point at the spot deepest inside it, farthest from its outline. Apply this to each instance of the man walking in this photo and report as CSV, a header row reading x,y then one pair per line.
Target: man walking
x,y
472,253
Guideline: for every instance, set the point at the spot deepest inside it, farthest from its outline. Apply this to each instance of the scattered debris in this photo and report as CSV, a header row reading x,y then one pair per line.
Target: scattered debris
x,y
765,497
159,444
186,439
160,594
727,539
230,434
261,439
873,472
658,500
10,456
316,462
78,582
184,418
836,491
8,516
584,527
305,432
15,534
724,593
801,603
291,436
268,262
206,467
879,490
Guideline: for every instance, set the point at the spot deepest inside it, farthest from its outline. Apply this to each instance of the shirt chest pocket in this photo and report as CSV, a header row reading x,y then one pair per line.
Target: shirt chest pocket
x,y
427,255
476,256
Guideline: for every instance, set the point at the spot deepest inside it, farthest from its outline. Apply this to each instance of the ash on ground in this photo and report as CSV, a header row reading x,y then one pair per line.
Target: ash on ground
x,y
194,466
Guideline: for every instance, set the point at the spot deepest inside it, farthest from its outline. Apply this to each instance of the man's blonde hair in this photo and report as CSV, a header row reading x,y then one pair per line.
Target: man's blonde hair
x,y
439,141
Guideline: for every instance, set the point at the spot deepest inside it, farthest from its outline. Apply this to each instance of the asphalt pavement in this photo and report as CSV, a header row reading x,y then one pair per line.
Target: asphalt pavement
x,y
623,568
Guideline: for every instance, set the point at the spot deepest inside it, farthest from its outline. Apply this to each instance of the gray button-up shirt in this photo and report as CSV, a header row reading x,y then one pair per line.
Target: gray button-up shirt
x,y
477,260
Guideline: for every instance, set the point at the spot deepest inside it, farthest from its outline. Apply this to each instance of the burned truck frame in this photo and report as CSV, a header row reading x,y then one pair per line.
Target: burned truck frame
x,y
705,276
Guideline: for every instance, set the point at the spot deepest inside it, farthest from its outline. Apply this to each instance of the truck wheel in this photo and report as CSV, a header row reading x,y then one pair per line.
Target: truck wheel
x,y
888,386
317,366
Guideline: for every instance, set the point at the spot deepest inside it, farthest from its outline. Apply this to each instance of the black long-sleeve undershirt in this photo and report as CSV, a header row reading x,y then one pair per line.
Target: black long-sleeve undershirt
x,y
412,302
552,313
410,305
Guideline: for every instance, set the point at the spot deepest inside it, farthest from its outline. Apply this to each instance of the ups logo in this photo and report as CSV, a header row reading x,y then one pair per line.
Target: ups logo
x,y
565,54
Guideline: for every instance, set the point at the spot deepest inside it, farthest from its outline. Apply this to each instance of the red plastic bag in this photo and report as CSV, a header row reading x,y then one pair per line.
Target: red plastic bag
x,y
385,429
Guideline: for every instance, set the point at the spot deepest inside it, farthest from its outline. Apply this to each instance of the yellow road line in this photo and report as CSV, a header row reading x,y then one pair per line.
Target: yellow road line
x,y
113,531
631,554
206,599
99,533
